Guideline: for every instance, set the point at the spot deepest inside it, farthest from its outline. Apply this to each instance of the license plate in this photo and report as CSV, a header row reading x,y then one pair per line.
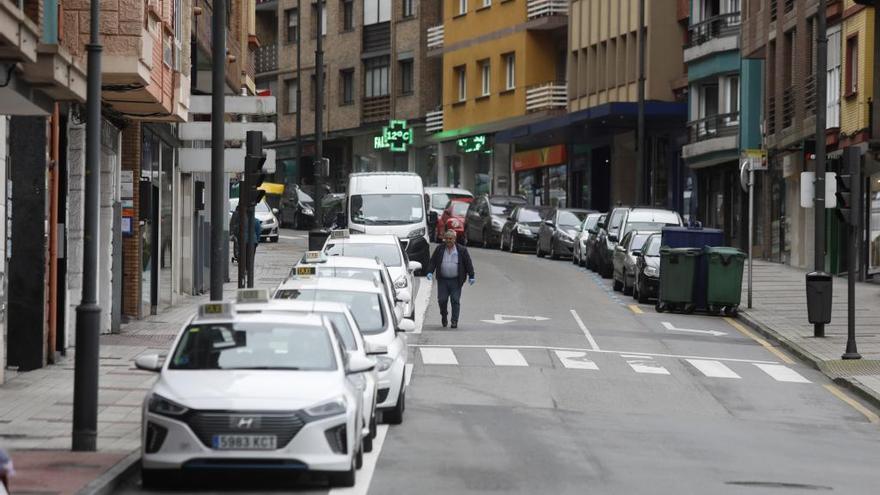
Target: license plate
x,y
244,442
305,271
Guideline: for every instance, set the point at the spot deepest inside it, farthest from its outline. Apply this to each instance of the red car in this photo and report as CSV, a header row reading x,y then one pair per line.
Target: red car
x,y
453,218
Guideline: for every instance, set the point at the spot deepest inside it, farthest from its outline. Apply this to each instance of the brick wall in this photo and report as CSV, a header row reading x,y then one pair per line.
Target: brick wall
x,y
131,245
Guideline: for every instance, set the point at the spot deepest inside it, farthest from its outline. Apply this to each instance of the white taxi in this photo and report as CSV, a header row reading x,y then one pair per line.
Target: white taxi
x,y
258,391
379,325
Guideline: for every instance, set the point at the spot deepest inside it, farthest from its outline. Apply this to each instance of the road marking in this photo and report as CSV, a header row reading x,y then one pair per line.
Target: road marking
x,y
438,355
712,368
782,373
636,309
645,364
365,473
291,237
766,345
867,413
500,319
673,328
580,349
424,293
506,357
576,360
407,369
593,345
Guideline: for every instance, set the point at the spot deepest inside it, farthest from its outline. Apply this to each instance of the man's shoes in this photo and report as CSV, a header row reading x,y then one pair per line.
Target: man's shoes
x,y
443,321
454,324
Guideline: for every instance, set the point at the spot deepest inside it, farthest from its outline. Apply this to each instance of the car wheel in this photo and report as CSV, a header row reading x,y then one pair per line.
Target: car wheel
x,y
485,240
344,478
359,458
641,296
513,248
553,255
368,442
395,416
501,243
627,290
617,286
373,427
538,252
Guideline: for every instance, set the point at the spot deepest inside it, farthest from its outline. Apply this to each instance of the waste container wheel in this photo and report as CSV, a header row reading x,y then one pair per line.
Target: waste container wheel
x,y
660,307
689,308
731,310
713,310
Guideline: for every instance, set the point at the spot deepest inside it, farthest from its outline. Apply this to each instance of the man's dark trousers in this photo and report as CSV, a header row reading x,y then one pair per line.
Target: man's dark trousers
x,y
449,288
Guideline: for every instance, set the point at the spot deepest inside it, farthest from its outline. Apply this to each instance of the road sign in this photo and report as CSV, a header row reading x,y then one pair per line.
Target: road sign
x,y
757,158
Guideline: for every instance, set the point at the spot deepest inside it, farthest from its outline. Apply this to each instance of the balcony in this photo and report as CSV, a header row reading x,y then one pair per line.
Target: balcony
x,y
542,8
376,109
266,59
711,137
435,37
771,116
377,38
547,96
718,26
434,121
810,95
788,108
713,126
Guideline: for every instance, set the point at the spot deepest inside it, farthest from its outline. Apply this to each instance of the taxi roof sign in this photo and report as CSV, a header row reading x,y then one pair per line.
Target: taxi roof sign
x,y
216,310
252,295
314,257
340,234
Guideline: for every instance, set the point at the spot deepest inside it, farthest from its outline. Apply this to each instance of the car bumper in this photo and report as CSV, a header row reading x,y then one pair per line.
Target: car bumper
x,y
565,248
390,384
650,286
309,449
525,242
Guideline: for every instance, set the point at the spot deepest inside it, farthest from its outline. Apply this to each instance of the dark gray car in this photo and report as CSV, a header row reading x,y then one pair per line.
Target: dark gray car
x,y
556,236
625,257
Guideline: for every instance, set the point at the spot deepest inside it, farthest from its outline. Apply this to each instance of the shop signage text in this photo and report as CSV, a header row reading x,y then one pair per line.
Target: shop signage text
x,y
396,136
540,157
472,144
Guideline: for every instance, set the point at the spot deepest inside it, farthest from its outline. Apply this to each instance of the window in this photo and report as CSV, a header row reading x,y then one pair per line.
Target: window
x,y
485,78
376,77
832,78
462,7
323,20
708,100
510,70
461,80
291,85
407,8
731,89
487,4
346,87
376,11
852,66
292,25
347,15
406,77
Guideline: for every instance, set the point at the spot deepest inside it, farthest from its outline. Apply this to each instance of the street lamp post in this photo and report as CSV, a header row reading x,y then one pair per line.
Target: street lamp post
x,y
819,195
88,313
319,117
218,110
641,197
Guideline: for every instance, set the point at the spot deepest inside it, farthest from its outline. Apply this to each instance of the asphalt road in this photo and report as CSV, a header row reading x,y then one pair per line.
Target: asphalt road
x,y
555,384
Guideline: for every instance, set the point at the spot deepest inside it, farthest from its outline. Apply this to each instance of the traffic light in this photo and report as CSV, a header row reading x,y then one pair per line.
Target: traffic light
x,y
845,198
253,167
848,188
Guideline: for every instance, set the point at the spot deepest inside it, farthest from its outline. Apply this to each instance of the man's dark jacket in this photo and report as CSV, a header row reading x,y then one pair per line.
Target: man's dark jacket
x,y
465,265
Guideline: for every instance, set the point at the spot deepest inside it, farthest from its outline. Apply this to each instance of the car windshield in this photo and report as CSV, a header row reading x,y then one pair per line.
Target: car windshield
x,y
388,253
440,200
502,206
616,220
459,208
304,196
263,346
638,241
262,207
571,218
653,248
528,215
654,216
386,209
590,222
365,307
648,226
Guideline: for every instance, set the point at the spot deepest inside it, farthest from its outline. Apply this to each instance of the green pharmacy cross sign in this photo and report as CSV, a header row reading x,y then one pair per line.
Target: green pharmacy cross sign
x,y
472,144
396,136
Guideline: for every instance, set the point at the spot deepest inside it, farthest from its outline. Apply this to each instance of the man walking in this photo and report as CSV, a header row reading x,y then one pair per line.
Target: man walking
x,y
454,266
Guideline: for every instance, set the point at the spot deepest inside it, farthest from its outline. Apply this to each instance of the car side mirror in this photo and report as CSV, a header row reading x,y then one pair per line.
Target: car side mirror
x,y
375,349
148,362
275,211
359,364
404,296
612,237
406,325
548,223
414,266
637,253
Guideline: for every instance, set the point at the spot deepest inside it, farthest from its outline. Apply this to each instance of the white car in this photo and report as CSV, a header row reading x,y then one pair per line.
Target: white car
x,y
257,300
314,263
263,390
380,327
388,249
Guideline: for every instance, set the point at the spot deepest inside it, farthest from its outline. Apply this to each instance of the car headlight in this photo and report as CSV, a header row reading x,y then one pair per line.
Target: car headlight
x,y
307,211
565,235
327,409
652,271
384,363
522,230
416,233
401,283
165,407
497,223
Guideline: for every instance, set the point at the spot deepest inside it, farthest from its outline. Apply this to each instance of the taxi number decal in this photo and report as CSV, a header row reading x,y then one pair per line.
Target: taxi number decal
x,y
305,271
213,309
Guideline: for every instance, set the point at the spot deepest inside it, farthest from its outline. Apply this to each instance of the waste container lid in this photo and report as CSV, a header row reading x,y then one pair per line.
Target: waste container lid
x,y
819,276
723,251
680,251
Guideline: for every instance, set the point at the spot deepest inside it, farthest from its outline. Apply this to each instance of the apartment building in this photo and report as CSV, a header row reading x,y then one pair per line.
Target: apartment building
x,y
376,76
724,115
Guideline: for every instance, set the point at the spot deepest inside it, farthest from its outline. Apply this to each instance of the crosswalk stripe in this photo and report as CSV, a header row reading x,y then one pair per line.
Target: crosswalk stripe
x,y
438,355
644,364
713,369
576,360
782,373
506,357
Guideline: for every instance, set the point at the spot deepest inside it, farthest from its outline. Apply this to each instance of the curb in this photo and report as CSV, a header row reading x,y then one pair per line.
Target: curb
x,y
112,478
802,354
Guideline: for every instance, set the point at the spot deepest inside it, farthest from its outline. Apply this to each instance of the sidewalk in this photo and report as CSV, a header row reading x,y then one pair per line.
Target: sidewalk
x,y
36,406
780,313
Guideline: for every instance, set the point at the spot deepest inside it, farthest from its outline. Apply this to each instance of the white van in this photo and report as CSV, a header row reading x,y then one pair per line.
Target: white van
x,y
390,203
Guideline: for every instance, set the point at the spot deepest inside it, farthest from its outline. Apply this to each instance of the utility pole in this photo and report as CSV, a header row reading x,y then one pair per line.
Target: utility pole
x,y
853,162
641,197
88,313
218,112
819,184
319,117
299,149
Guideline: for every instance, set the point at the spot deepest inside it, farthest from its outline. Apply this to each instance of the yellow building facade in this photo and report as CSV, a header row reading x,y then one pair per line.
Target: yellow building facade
x,y
857,63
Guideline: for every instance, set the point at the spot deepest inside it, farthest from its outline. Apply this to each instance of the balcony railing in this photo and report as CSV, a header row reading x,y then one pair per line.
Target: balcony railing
x,y
541,8
789,5
810,95
788,107
266,58
376,109
434,121
714,126
546,96
773,10
714,27
771,115
435,36
377,37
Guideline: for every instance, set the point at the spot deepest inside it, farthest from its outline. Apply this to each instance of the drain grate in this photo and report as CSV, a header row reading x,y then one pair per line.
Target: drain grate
x,y
778,484
843,368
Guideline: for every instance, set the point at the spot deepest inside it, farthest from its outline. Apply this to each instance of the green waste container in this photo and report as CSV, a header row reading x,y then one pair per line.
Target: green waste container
x,y
725,273
677,267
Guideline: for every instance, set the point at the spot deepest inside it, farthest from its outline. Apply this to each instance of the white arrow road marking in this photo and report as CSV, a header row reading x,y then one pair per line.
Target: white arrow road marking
x,y
576,360
365,474
644,364
672,328
438,355
506,357
587,334
500,319
782,373
422,297
713,369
